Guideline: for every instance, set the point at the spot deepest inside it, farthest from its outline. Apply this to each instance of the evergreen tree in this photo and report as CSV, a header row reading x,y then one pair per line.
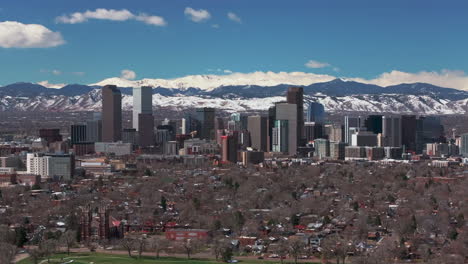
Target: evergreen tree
x,y
21,236
164,203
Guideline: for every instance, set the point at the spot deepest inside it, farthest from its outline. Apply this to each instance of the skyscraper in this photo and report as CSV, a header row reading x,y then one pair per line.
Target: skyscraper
x,y
146,129
288,112
130,135
78,134
280,137
111,114
258,126
313,130
464,145
391,131
373,123
295,95
94,131
229,145
408,132
206,123
351,124
142,103
271,124
315,113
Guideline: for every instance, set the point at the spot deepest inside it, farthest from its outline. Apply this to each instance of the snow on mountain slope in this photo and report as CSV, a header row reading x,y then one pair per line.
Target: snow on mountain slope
x,y
394,103
210,82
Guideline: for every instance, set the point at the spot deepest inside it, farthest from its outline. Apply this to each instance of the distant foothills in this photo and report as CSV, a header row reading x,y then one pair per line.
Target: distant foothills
x,y
336,95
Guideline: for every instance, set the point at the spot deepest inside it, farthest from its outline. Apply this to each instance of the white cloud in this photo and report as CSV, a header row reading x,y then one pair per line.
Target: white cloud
x,y
110,14
151,20
128,74
47,84
200,15
316,64
228,71
18,35
444,78
232,16
215,26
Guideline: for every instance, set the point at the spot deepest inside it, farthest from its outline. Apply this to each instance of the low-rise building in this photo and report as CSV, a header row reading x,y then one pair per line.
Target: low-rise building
x,y
116,148
50,165
184,234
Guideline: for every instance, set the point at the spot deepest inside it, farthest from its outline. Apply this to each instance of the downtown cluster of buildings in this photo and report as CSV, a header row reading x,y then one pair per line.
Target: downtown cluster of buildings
x,y
287,131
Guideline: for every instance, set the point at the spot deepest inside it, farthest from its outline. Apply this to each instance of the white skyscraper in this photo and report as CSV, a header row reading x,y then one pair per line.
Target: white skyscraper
x,y
142,103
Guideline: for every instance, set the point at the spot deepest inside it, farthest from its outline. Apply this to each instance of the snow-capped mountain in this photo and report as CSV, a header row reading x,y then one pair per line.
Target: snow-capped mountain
x,y
336,95
211,82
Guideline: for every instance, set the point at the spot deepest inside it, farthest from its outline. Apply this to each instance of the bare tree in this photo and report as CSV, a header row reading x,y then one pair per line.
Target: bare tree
x,y
48,247
282,249
68,239
141,245
35,255
128,244
217,247
7,253
158,244
296,248
190,247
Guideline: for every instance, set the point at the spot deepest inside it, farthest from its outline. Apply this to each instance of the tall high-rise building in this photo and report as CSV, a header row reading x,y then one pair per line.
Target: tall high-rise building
x,y
78,133
313,131
295,95
146,129
142,103
315,113
408,132
351,124
229,144
111,114
271,124
334,132
130,135
391,131
219,123
280,136
373,123
94,131
258,126
206,123
94,128
464,145
189,124
286,111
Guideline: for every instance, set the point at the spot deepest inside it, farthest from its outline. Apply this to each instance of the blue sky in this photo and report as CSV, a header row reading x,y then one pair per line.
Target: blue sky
x,y
358,38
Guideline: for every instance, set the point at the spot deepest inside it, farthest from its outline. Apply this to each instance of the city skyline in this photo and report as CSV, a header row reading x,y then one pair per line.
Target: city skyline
x,y
419,41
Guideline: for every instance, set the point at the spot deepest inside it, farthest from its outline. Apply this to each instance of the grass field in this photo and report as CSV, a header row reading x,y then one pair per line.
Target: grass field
x,y
99,258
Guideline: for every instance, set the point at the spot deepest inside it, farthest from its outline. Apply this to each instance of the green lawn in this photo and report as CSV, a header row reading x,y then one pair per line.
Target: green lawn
x,y
99,258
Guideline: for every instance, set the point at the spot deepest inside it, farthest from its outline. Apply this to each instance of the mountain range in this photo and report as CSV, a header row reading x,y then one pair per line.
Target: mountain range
x,y
336,95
